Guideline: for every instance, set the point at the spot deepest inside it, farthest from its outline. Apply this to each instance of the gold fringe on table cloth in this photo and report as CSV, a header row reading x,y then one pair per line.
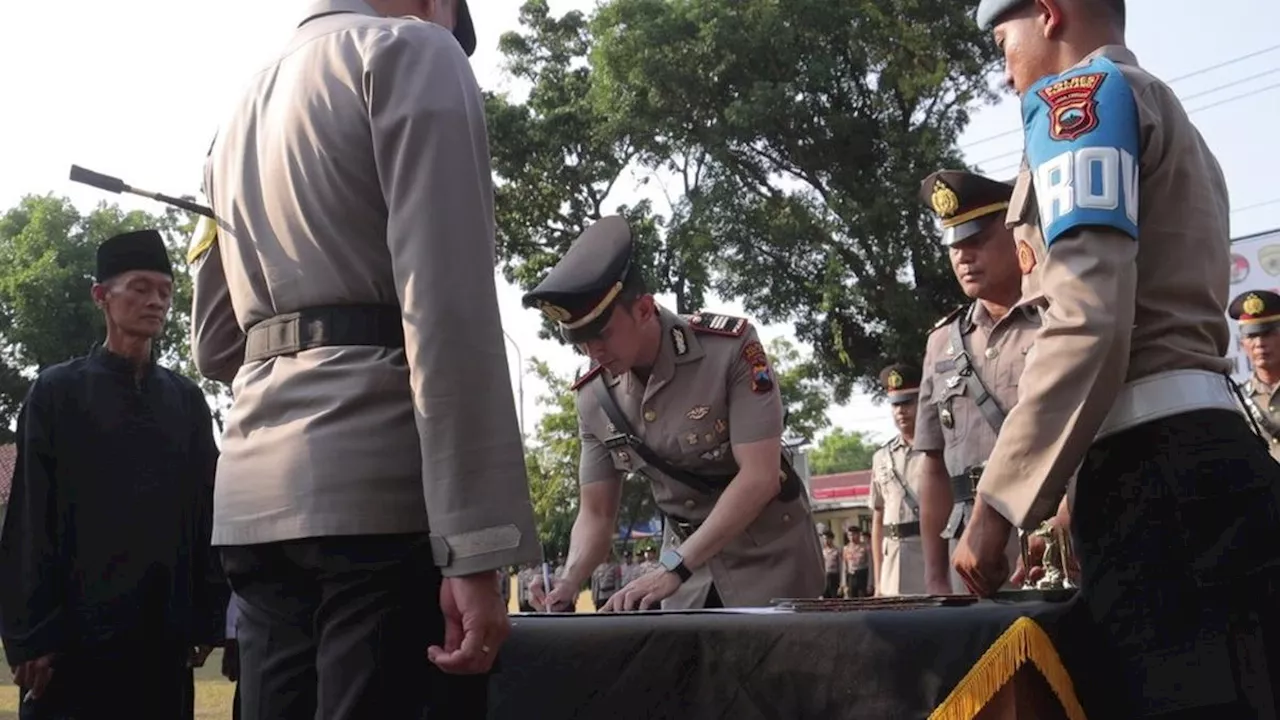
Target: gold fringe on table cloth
x,y
1024,640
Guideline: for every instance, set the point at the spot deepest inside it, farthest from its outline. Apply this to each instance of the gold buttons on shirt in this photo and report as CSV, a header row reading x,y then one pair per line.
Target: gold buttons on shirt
x,y
650,415
991,353
786,518
689,504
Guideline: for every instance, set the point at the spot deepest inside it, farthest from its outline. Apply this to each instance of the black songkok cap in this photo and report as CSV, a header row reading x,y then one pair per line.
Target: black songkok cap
x,y
137,250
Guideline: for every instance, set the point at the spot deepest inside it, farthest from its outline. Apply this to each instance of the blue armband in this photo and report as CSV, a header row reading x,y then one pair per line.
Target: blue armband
x,y
1083,145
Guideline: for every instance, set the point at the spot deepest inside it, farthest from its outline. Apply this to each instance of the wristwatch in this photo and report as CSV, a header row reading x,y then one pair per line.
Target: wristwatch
x,y
673,561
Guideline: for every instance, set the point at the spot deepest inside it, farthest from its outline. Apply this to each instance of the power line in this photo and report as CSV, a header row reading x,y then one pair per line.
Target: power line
x,y
1180,78
1252,93
1255,206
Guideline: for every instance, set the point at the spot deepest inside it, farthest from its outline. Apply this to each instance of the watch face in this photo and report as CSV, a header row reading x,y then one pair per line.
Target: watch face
x,y
670,560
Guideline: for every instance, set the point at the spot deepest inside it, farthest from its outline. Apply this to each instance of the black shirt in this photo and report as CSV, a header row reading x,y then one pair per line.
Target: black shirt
x,y
106,536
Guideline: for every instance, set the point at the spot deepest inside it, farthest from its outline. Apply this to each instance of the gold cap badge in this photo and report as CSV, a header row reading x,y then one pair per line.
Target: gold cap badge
x,y
895,380
555,312
1253,305
944,200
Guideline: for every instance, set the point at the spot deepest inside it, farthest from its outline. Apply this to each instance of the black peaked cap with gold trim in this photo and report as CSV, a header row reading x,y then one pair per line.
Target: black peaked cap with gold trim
x,y
581,289
901,383
1257,312
964,202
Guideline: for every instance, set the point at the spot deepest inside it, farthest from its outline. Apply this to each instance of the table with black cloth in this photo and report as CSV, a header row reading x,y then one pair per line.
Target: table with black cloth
x,y
930,662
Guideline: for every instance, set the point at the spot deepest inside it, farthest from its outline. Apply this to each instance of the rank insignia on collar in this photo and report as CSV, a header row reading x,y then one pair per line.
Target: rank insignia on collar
x,y
697,412
679,341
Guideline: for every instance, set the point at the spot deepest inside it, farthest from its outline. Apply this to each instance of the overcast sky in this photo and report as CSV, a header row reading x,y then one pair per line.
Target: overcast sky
x,y
135,88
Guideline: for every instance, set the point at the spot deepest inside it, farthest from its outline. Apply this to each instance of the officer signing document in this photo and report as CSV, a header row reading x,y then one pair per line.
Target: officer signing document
x,y
691,403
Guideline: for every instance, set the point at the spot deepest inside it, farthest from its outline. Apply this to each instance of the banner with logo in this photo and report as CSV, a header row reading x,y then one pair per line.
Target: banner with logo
x,y
1255,265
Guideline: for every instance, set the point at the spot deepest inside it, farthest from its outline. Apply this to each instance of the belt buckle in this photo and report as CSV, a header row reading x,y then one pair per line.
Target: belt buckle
x,y
975,474
617,441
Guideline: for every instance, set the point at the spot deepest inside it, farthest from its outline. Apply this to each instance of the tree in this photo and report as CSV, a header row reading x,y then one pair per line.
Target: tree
x,y
47,261
558,155
841,451
800,129
552,462
804,396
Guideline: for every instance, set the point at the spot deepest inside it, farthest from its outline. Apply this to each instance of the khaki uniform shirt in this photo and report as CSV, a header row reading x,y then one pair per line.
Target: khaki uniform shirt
x,y
699,402
1265,407
355,169
1137,287
902,560
948,420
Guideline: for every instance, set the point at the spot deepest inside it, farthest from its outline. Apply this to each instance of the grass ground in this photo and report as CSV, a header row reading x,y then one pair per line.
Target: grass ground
x,y
213,692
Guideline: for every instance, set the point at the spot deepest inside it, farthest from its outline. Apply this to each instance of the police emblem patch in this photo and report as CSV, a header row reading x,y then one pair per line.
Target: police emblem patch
x,y
1026,257
1253,305
1073,111
894,380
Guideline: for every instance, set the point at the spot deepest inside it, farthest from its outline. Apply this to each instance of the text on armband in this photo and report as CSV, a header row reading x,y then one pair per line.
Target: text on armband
x,y
1091,178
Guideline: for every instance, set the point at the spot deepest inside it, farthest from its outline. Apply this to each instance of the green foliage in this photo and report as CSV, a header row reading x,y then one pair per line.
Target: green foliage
x,y
552,461
841,451
798,130
804,395
47,261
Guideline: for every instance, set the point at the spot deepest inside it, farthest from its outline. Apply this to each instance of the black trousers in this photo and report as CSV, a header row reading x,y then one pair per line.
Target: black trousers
x,y
135,676
1176,523
858,582
337,628
832,589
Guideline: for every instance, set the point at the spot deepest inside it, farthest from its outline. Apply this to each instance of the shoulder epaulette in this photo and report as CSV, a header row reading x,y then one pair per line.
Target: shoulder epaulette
x,y
946,319
586,377
717,324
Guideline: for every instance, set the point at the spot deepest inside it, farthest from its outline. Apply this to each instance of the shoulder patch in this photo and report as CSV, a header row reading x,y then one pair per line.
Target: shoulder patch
x,y
716,324
204,237
586,377
1083,145
946,319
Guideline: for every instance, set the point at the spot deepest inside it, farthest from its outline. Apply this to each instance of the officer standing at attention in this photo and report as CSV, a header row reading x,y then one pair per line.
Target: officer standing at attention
x,y
691,402
897,558
1258,314
372,479
972,364
1176,511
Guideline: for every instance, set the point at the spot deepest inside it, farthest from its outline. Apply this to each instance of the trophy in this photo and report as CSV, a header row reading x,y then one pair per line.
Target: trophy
x,y
1056,559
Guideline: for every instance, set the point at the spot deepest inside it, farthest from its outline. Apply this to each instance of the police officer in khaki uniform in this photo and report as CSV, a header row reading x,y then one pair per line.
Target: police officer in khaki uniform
x,y
1258,315
973,362
1176,511
372,476
896,554
692,403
